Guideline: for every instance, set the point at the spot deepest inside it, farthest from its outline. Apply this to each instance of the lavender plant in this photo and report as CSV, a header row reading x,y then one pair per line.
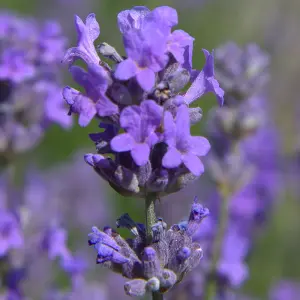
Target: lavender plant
x,y
145,149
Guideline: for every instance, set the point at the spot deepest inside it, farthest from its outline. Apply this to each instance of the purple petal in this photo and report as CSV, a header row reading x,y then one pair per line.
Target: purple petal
x,y
87,33
99,77
88,158
183,128
215,88
199,145
126,69
151,116
93,159
140,154
74,53
179,42
146,79
70,95
132,19
166,14
122,142
193,163
205,82
169,129
119,258
197,88
92,26
209,64
130,120
172,158
105,107
80,104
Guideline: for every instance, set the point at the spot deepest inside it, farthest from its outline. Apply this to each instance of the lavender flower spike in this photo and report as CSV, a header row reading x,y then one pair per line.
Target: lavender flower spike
x,y
87,34
140,123
182,147
205,82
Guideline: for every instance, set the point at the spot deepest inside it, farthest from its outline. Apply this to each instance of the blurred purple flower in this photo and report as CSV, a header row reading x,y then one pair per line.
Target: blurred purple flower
x,y
15,66
11,236
285,290
30,58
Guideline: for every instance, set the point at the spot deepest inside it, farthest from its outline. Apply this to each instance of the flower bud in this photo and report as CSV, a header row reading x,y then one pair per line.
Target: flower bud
x,y
167,280
151,263
135,287
153,284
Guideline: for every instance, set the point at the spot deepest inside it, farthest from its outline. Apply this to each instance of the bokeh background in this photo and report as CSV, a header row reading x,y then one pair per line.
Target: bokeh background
x,y
274,25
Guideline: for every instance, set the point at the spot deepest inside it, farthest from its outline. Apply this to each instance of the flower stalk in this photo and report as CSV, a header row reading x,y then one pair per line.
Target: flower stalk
x,y
211,287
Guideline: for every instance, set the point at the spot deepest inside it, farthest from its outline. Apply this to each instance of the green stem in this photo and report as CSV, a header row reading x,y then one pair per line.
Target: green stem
x,y
211,287
157,296
150,220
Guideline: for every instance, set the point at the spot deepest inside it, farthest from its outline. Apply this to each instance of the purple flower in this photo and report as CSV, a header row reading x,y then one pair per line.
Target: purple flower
x,y
182,147
11,236
52,45
205,82
146,46
87,34
54,242
140,123
93,101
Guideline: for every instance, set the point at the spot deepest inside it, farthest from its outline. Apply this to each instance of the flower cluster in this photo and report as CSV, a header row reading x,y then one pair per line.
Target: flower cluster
x,y
152,266
146,121
30,99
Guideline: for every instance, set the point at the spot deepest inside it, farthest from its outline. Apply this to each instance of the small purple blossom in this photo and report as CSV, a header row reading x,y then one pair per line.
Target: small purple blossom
x,y
140,124
87,33
205,82
93,101
182,147
145,36
146,56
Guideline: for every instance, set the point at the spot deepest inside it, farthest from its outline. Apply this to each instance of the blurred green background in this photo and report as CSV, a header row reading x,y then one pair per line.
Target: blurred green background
x,y
274,24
